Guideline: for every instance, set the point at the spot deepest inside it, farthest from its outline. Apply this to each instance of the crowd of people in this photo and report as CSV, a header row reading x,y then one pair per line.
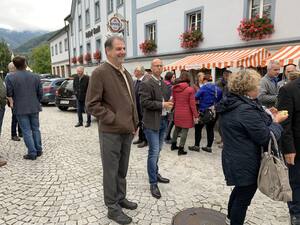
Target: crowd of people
x,y
245,106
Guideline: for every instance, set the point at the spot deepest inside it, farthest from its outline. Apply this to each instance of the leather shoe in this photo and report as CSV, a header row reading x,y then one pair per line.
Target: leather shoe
x,y
78,125
155,191
29,157
207,149
15,138
128,204
87,125
120,218
142,145
137,142
161,179
39,153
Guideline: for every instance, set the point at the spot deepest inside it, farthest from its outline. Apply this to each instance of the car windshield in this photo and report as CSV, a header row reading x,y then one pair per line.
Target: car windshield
x,y
68,84
46,83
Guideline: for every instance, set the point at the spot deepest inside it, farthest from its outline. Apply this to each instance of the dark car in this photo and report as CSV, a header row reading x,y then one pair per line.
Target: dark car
x,y
65,96
49,89
48,76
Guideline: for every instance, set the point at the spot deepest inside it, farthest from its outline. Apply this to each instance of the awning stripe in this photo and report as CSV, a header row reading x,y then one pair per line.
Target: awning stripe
x,y
286,55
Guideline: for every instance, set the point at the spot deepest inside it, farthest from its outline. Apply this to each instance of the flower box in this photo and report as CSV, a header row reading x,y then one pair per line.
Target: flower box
x,y
255,28
97,56
148,47
80,59
88,57
74,60
191,39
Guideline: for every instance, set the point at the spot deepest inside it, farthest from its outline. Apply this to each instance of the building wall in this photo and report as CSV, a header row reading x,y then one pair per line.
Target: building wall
x,y
219,26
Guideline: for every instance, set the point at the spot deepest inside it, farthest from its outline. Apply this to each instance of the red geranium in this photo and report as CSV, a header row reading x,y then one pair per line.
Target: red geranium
x,y
88,57
191,39
148,46
74,60
97,55
255,28
80,59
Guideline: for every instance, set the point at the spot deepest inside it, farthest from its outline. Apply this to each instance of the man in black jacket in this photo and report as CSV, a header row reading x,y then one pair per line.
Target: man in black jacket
x,y
80,85
154,97
288,99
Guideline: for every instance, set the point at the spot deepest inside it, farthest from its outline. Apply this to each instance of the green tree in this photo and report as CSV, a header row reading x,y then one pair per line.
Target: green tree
x,y
40,59
5,56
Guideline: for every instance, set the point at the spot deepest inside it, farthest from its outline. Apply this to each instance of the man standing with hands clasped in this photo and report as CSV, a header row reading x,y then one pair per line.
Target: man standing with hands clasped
x,y
110,98
154,98
288,99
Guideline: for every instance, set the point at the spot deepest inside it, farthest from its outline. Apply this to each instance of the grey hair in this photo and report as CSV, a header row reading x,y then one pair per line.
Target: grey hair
x,y
11,67
80,67
140,68
109,41
271,63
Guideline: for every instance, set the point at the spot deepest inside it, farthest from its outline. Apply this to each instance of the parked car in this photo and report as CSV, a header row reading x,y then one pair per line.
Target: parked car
x,y
48,76
65,96
49,89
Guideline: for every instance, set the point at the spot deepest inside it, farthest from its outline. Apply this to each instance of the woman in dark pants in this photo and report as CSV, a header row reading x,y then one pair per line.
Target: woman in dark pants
x,y
246,129
207,96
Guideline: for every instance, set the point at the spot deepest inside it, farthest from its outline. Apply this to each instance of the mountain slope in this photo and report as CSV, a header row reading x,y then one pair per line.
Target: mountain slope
x,y
16,38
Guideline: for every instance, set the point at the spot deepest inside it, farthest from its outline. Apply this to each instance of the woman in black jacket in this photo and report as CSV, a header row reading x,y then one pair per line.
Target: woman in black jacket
x,y
246,128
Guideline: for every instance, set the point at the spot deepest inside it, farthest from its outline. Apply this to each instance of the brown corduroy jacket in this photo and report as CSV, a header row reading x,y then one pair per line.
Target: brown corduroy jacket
x,y
109,101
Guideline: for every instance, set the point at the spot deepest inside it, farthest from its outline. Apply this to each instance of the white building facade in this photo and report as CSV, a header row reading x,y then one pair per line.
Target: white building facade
x,y
163,21
59,48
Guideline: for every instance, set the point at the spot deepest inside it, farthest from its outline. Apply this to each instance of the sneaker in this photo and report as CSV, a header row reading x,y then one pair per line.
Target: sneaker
x,y
207,149
194,148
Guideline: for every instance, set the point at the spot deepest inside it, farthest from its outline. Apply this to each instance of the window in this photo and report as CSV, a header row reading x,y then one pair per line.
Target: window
x,y
80,50
60,47
110,6
97,10
151,32
56,49
88,47
260,8
53,70
66,44
80,23
87,17
98,44
52,51
58,71
120,3
74,52
79,1
194,21
62,68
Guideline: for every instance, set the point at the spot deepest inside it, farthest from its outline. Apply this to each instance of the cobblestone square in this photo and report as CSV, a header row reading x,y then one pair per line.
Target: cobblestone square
x,y
64,186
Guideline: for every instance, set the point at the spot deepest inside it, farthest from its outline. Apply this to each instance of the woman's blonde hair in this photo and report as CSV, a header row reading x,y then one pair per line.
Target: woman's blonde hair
x,y
243,81
293,75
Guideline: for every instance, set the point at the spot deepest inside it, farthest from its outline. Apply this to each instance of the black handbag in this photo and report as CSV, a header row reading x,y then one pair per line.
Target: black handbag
x,y
207,116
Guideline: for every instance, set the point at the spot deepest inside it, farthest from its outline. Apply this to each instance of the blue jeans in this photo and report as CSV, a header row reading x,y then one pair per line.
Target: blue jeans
x,y
294,175
30,126
155,140
2,111
80,110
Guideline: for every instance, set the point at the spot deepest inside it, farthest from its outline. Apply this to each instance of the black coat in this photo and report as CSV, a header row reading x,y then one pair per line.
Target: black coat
x,y
80,87
289,99
245,129
152,94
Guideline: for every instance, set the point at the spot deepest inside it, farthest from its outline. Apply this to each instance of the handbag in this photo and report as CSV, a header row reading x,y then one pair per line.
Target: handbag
x,y
273,177
207,116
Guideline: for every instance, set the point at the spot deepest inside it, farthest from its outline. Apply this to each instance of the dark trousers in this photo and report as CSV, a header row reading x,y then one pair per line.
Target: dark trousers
x,y
239,200
115,152
294,175
142,136
209,130
14,126
80,110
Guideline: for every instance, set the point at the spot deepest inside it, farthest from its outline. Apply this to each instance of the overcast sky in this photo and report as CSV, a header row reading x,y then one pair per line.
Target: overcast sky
x,y
34,14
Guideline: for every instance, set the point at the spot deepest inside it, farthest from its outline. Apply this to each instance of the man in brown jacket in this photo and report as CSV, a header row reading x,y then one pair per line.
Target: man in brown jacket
x,y
110,98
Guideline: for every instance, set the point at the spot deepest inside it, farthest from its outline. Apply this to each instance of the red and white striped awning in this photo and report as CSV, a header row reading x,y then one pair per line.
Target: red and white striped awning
x,y
286,55
238,58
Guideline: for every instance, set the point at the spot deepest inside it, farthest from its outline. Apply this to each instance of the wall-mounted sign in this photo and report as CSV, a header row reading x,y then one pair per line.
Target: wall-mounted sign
x,y
115,24
92,32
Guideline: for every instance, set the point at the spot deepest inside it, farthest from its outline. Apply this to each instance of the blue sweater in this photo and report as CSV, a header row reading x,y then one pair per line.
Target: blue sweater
x,y
208,95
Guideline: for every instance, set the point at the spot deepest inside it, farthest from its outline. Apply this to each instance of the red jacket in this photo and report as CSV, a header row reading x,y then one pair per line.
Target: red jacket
x,y
185,106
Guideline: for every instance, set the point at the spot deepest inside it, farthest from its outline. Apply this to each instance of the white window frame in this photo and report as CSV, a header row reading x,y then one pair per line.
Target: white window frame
x,y
87,18
79,22
261,8
97,10
66,44
151,31
198,17
110,6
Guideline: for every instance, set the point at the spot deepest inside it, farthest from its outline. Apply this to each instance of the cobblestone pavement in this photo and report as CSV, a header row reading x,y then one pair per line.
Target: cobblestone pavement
x,y
64,186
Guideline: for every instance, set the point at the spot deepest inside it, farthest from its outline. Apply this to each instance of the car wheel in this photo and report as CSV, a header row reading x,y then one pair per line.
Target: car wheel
x,y
63,108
